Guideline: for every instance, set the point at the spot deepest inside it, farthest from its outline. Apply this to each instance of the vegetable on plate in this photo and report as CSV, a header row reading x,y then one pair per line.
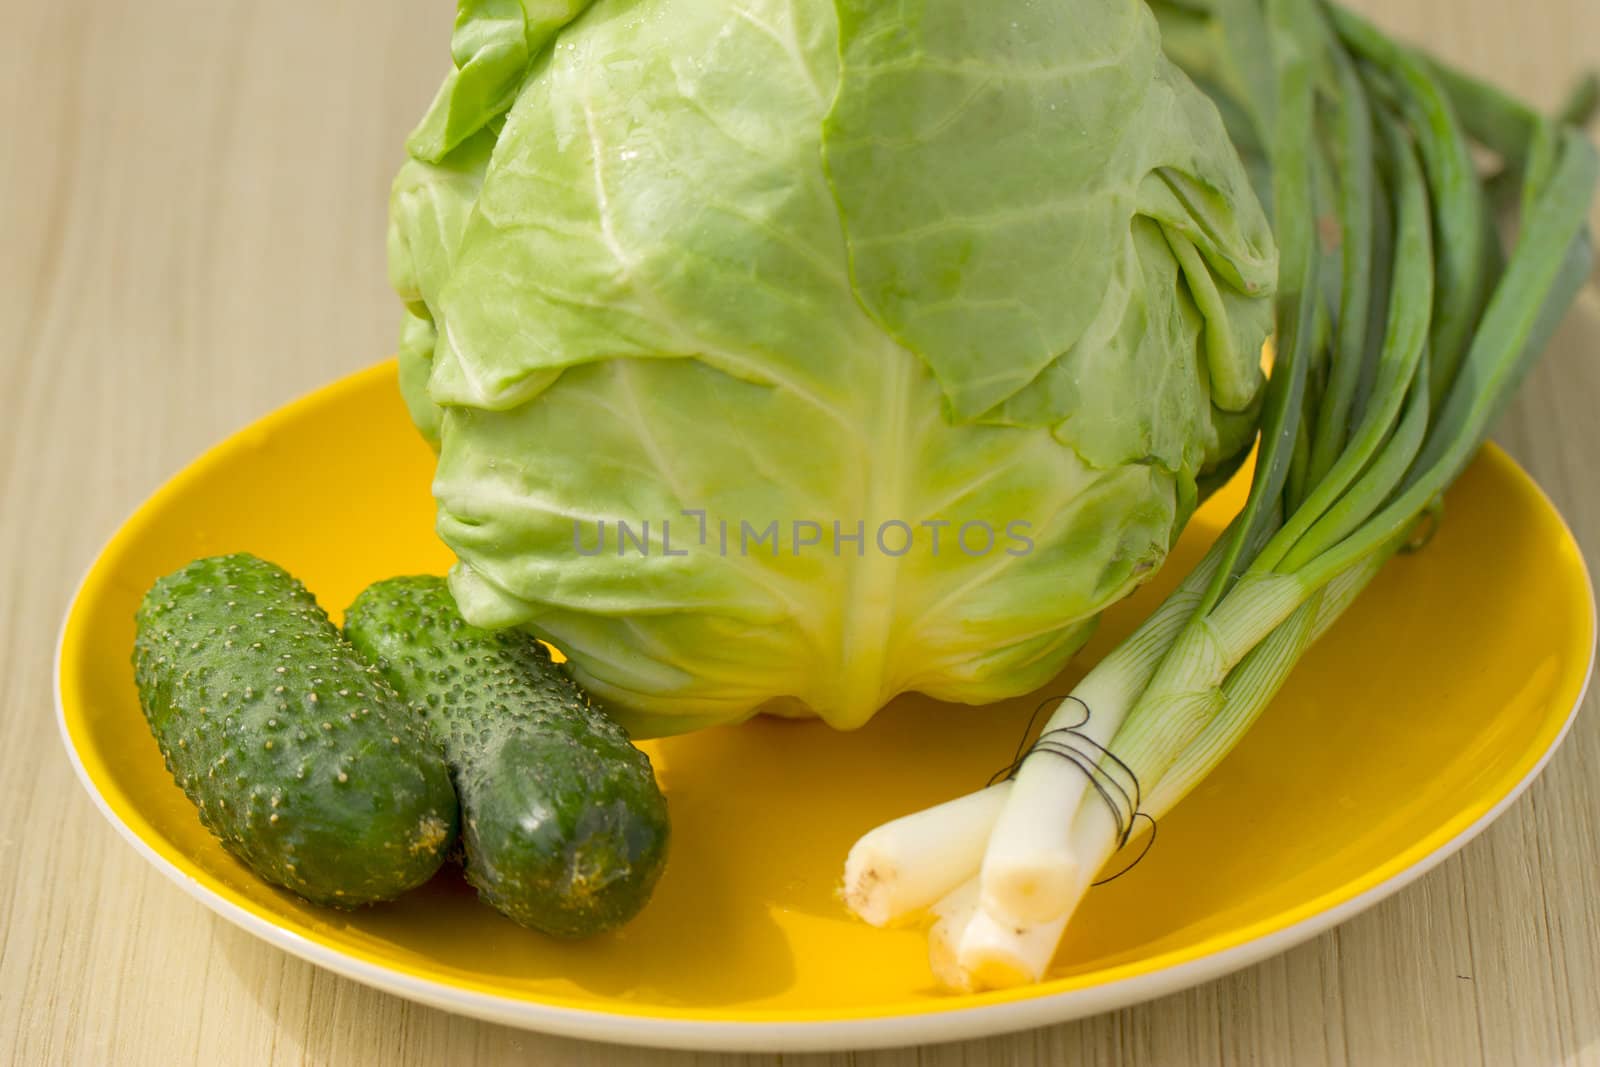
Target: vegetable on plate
x,y
787,355
1404,324
339,765
563,825
298,756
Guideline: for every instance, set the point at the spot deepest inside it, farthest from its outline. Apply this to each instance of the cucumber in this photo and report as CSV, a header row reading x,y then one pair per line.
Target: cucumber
x,y
299,756
564,827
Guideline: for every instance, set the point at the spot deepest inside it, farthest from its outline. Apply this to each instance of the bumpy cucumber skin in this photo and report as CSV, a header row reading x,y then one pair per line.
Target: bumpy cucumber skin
x,y
300,757
564,826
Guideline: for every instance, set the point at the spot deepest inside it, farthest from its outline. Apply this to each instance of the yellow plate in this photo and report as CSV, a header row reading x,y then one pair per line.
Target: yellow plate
x,y
1411,726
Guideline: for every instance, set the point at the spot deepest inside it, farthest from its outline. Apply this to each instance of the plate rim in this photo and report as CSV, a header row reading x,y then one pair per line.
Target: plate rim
x,y
660,1028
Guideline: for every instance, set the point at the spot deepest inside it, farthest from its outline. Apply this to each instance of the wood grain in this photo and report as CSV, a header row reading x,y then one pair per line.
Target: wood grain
x,y
191,232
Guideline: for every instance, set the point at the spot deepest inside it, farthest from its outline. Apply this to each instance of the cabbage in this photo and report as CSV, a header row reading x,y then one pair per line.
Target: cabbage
x,y
939,315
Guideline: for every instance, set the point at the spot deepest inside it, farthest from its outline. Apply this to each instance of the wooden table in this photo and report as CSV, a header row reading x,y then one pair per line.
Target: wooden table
x,y
192,232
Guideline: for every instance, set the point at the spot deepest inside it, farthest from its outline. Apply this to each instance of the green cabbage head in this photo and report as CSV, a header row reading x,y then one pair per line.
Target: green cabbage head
x,y
822,291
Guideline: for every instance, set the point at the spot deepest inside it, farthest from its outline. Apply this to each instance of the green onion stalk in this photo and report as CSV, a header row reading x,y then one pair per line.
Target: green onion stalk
x,y
1404,324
